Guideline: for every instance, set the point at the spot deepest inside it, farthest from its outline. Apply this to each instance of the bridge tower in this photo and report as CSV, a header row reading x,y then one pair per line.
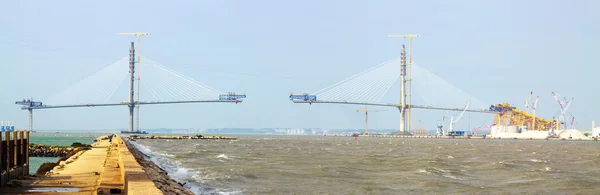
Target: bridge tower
x,y
402,107
131,81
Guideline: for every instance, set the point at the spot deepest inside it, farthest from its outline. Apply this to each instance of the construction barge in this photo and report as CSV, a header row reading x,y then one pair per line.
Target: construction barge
x,y
197,137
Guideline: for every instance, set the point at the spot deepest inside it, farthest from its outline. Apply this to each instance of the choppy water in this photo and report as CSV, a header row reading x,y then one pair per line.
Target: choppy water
x,y
339,165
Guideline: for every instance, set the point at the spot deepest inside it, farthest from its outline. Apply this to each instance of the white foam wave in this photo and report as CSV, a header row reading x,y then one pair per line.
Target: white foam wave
x,y
190,179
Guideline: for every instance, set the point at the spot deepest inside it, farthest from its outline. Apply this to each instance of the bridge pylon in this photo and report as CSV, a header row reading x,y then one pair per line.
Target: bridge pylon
x,y
402,107
131,82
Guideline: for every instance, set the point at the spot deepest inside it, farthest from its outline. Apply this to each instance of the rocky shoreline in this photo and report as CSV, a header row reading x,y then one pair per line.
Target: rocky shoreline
x,y
41,150
159,176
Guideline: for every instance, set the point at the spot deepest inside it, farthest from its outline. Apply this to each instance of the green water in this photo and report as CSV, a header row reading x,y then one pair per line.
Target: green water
x,y
35,162
61,139
56,140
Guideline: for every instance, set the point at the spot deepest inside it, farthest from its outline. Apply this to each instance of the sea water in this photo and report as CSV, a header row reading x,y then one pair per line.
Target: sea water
x,y
342,165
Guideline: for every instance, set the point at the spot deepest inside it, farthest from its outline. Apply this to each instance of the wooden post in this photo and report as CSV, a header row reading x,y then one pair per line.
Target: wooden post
x,y
26,171
9,152
15,148
4,157
2,181
22,149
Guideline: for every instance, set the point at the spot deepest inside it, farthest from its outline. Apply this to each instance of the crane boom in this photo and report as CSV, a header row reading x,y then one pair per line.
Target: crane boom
x,y
463,112
453,122
528,101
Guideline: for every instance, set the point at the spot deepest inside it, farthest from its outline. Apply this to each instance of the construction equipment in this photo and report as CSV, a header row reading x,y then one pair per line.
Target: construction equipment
x,y
139,36
29,104
528,101
303,97
454,122
534,109
232,96
511,116
366,111
440,126
409,79
564,106
572,121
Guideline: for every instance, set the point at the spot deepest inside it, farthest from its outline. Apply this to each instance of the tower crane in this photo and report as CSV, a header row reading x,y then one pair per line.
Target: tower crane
x,y
366,111
139,37
453,122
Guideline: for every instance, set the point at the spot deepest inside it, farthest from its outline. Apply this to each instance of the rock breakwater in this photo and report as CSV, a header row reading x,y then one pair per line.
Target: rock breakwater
x,y
41,150
159,176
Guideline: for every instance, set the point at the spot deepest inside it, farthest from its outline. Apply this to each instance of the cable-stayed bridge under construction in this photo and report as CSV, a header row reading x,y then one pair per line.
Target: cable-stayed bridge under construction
x,y
164,85
368,88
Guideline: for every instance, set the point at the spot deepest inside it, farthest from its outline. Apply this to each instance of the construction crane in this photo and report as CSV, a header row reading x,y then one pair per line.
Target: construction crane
x,y
366,111
534,109
564,106
409,79
528,101
572,121
453,122
139,37
29,103
440,126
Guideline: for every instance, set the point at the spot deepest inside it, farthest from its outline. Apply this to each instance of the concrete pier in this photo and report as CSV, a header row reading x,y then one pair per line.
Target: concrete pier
x,y
108,168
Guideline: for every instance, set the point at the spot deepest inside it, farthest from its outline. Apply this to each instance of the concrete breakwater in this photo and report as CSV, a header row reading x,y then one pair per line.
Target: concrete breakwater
x,y
41,150
199,137
159,176
108,167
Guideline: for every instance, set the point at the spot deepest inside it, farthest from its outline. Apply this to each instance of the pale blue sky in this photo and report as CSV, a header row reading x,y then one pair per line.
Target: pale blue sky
x,y
495,50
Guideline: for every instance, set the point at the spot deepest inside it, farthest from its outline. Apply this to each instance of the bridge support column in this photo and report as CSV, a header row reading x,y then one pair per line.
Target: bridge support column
x,y
131,108
402,120
131,89
402,107
30,119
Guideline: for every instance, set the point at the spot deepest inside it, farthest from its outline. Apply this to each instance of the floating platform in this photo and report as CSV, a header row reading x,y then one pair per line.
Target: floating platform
x,y
134,132
198,137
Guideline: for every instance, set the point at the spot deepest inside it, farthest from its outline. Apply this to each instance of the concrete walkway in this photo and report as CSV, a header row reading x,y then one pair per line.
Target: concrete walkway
x,y
89,175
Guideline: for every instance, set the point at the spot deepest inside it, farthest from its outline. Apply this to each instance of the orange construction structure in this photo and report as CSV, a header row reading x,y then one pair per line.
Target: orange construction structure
x,y
511,116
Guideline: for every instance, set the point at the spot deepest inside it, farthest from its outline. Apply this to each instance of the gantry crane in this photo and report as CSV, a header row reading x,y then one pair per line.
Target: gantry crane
x,y
139,37
366,111
409,79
